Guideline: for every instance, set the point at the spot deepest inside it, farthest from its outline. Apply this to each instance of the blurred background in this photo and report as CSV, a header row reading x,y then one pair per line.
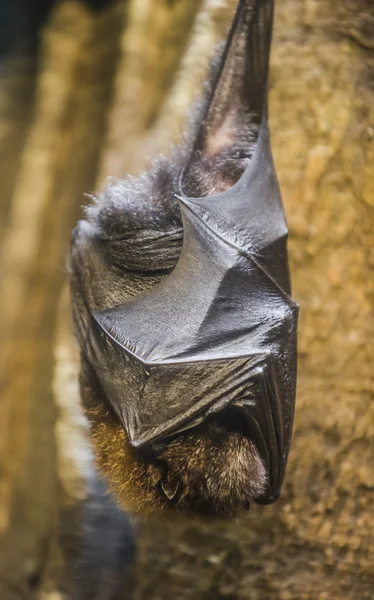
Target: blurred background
x,y
90,89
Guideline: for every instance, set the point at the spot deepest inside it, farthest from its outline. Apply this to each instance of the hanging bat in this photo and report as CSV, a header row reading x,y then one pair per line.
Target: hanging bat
x,y
182,306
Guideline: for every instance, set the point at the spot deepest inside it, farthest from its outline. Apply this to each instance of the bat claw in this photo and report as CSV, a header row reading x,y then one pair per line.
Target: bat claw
x,y
170,488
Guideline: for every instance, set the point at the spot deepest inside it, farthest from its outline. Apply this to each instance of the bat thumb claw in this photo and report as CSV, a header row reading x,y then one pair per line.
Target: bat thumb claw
x,y
170,488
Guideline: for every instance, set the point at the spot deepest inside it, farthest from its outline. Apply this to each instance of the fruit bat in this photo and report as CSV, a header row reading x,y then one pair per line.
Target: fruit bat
x,y
182,305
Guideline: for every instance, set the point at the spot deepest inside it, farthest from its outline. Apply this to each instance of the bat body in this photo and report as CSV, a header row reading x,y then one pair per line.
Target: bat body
x,y
182,306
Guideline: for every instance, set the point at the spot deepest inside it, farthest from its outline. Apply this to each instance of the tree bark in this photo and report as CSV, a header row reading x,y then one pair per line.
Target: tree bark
x,y
108,90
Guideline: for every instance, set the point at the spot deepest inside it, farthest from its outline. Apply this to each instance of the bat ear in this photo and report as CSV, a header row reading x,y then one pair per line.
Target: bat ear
x,y
238,96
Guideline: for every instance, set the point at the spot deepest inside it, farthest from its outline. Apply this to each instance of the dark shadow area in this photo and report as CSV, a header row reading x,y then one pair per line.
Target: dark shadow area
x,y
21,20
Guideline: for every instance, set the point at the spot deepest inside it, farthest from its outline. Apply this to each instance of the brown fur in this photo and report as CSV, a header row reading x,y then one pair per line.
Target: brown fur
x,y
214,469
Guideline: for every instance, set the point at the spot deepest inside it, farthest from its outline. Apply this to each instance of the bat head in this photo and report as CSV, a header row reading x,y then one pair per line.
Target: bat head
x,y
188,376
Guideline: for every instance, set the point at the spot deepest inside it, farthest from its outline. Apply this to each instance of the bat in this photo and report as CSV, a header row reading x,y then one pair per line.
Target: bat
x,y
182,306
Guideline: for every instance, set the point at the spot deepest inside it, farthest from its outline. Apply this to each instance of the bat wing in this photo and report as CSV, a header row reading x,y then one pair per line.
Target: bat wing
x,y
154,401
240,86
255,372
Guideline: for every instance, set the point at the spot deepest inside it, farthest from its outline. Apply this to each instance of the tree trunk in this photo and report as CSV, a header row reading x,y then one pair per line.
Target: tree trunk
x,y
108,89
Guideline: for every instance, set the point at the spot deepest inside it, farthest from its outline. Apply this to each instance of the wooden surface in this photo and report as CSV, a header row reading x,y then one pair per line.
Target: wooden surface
x,y
102,94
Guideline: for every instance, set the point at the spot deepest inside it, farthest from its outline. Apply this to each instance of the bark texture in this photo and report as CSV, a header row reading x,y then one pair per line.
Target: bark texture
x,y
107,89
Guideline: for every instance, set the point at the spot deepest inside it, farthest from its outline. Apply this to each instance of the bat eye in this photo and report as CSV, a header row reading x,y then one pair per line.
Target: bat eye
x,y
170,488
